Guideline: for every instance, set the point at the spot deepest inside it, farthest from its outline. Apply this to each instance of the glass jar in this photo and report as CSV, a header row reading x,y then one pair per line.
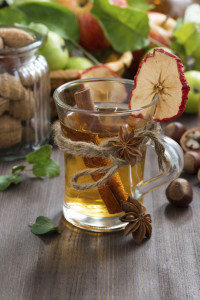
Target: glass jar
x,y
24,98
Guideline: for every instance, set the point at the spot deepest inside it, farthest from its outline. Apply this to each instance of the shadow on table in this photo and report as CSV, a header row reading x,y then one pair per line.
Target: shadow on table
x,y
178,215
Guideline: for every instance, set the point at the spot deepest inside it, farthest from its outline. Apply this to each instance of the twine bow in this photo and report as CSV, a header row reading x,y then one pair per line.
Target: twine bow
x,y
105,149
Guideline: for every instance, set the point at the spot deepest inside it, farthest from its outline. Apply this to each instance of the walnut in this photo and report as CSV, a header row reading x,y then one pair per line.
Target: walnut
x,y
14,37
10,131
11,87
4,105
25,108
1,43
190,140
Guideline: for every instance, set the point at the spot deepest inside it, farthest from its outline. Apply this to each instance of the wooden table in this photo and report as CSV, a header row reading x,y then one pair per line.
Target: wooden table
x,y
81,265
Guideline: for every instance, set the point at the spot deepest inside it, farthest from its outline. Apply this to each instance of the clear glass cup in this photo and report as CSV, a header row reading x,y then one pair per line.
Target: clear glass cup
x,y
95,208
24,98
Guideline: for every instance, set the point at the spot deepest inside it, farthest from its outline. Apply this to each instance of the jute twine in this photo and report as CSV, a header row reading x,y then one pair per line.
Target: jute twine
x,y
106,149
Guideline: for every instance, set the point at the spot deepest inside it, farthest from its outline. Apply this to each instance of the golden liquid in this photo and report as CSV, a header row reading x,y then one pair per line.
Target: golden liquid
x,y
89,202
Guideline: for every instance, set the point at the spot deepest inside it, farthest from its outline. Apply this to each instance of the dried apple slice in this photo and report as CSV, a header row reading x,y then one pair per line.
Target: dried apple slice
x,y
109,91
160,73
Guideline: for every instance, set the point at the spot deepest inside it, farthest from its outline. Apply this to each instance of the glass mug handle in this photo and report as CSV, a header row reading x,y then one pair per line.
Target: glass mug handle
x,y
175,155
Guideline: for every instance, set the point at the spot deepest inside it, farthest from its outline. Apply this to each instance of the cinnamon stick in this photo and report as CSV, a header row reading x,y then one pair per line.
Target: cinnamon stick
x,y
84,101
113,191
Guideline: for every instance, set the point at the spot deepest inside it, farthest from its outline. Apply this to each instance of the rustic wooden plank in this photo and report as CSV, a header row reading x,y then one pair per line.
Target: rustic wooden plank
x,y
80,265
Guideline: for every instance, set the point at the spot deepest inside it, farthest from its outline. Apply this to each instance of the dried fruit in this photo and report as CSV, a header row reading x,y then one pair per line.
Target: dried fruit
x,y
139,222
175,130
191,162
190,140
4,105
179,192
10,131
160,73
100,91
13,37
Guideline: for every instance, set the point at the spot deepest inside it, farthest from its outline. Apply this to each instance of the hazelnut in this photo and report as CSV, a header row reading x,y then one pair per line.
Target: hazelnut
x,y
175,130
198,174
179,192
191,162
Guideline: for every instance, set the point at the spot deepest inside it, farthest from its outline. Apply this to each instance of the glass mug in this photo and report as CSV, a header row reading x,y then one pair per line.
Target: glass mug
x,y
93,209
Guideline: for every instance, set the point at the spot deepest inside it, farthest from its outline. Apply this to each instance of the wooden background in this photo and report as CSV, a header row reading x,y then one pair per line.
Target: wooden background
x,y
81,265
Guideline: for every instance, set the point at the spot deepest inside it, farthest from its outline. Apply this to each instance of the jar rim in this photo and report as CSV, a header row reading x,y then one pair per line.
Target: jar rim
x,y
58,99
38,41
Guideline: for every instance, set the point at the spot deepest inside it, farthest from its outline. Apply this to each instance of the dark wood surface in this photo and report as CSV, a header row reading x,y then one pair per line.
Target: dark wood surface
x,y
81,265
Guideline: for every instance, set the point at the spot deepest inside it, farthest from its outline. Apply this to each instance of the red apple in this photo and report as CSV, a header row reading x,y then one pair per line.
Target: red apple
x,y
161,28
91,34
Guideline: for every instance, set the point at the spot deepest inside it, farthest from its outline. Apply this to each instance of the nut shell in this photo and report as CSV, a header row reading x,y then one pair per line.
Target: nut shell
x,y
198,175
4,105
191,162
175,130
25,108
186,137
14,37
179,192
10,131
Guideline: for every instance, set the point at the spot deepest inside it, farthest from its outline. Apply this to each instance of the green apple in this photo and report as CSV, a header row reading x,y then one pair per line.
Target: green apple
x,y
78,62
193,79
151,50
41,28
55,51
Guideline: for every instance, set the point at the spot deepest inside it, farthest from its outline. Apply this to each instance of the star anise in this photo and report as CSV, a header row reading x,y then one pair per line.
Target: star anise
x,y
127,145
139,222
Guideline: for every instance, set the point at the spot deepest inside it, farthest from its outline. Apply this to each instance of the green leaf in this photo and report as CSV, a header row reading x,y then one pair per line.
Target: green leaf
x,y
43,225
178,24
126,28
11,2
7,180
179,51
188,35
140,4
192,14
196,65
50,169
9,16
40,156
56,17
18,168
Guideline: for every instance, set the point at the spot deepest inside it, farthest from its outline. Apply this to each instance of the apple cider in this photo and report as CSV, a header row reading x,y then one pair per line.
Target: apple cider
x,y
89,202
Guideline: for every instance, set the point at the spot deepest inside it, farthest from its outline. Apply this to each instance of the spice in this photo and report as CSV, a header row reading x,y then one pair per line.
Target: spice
x,y
127,145
139,222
